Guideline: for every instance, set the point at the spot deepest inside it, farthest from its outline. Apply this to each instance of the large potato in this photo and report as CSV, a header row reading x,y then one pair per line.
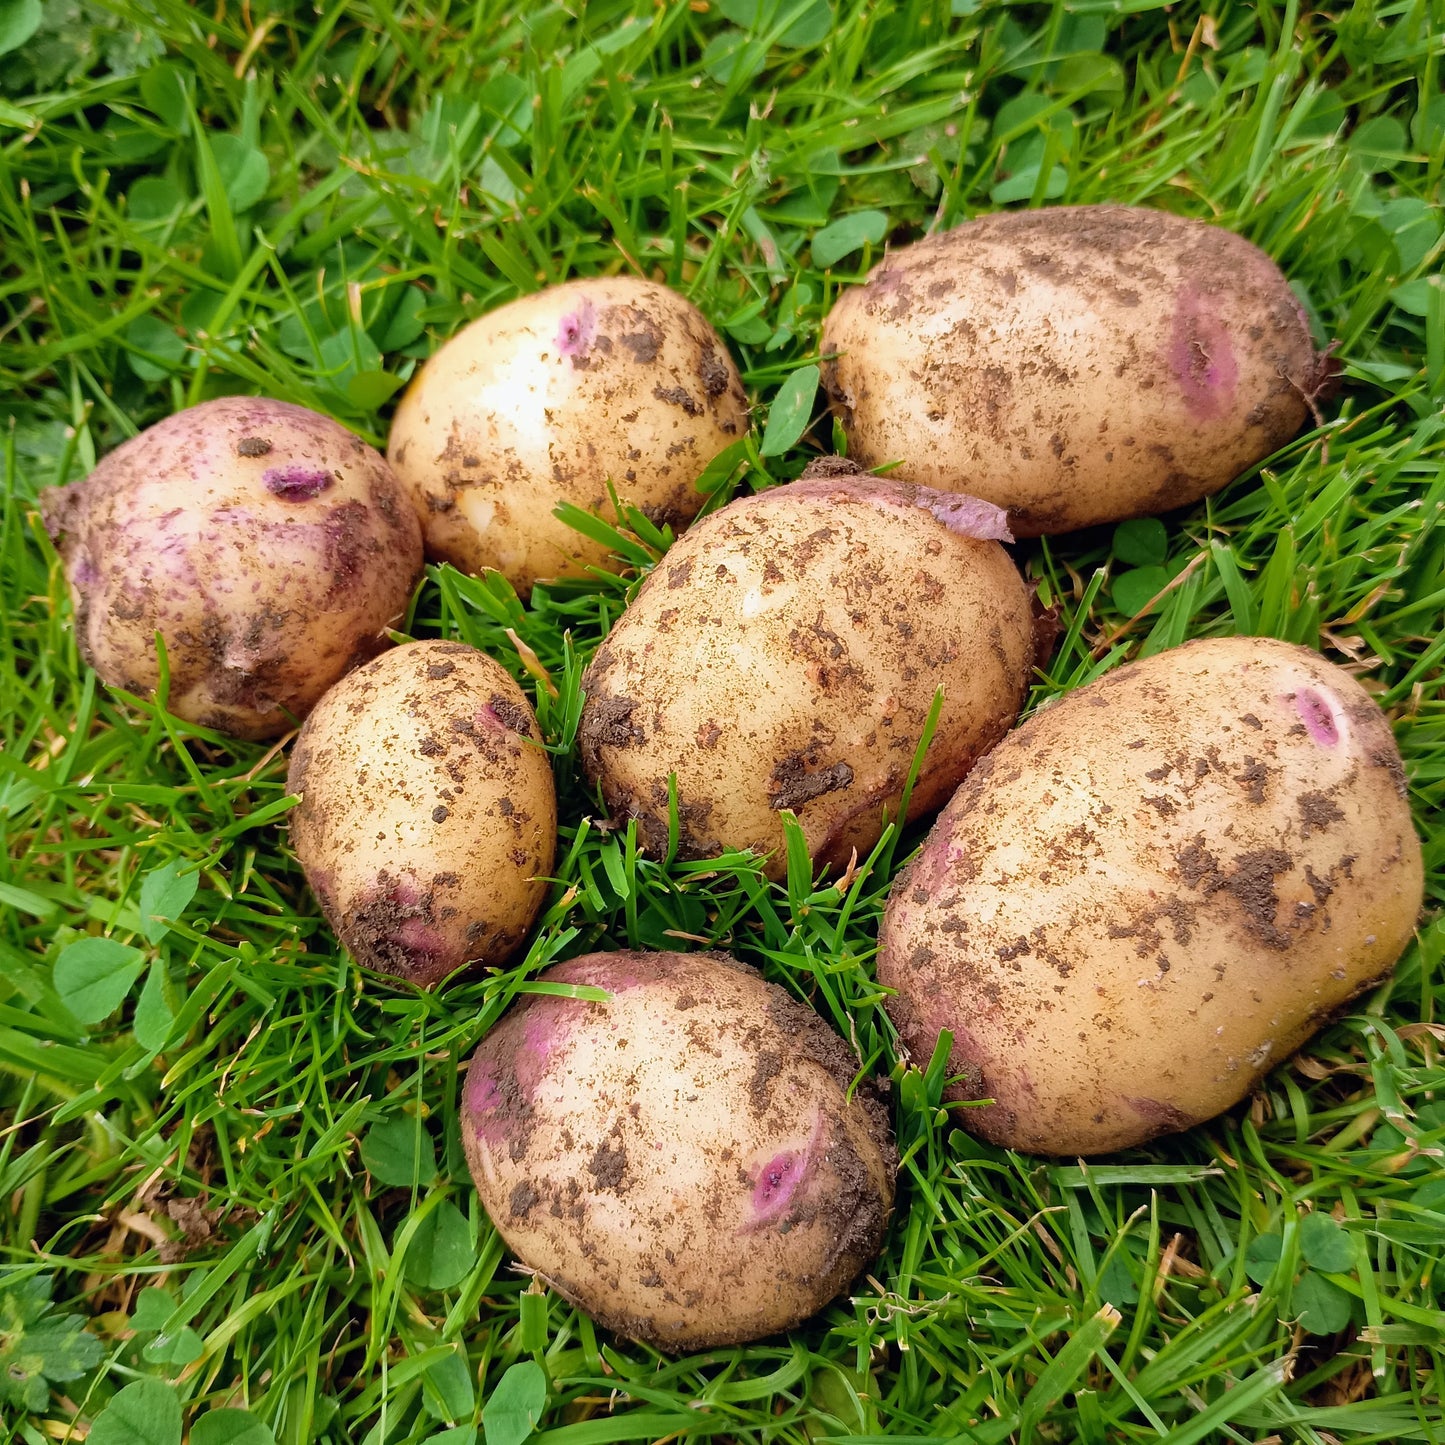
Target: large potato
x,y
1154,891
428,817
688,1162
785,654
1074,365
547,400
267,545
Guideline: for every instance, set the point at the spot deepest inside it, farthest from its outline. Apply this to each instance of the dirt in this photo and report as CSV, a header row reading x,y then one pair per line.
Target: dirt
x,y
791,785
1317,811
514,715
253,447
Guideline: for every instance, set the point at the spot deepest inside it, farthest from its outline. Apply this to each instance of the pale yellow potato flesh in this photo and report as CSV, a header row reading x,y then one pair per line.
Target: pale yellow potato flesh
x,y
1075,365
428,816
1153,892
270,547
785,655
547,400
690,1162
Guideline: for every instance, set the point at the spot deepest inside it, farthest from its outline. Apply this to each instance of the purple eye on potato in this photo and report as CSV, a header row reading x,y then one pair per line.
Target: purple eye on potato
x,y
693,1161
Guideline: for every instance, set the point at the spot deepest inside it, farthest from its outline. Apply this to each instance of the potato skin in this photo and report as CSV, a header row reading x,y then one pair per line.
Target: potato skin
x,y
548,398
785,654
1154,891
269,546
683,1161
1075,365
428,815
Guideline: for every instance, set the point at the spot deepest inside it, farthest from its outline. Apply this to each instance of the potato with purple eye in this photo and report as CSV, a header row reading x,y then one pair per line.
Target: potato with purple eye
x,y
551,398
1153,892
428,816
1075,365
785,654
269,547
693,1162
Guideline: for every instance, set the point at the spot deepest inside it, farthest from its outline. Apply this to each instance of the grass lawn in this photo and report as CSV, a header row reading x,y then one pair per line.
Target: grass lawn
x,y
235,1158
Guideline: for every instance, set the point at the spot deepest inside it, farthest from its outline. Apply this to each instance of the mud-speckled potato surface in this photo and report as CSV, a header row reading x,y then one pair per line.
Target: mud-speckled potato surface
x,y
428,816
546,400
269,547
785,655
1075,365
1153,892
683,1161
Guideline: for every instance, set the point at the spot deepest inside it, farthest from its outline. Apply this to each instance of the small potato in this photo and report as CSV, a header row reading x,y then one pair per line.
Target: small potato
x,y
428,816
267,545
785,654
1153,892
1075,365
685,1161
547,400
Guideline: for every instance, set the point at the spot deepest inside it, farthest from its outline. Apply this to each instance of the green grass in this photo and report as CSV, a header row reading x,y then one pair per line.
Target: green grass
x,y
304,201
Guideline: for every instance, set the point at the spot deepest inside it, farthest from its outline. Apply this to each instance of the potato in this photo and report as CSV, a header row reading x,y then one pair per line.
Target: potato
x,y
685,1161
1154,891
1074,365
267,545
547,400
428,816
785,654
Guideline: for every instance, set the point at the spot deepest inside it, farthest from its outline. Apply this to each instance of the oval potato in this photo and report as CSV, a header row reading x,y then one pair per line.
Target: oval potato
x,y
547,400
428,815
1075,365
785,654
269,546
690,1161
1154,891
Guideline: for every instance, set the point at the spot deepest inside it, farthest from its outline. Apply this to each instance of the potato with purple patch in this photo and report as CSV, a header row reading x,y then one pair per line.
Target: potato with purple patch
x,y
1075,365
269,546
688,1161
785,655
428,816
551,398
1153,892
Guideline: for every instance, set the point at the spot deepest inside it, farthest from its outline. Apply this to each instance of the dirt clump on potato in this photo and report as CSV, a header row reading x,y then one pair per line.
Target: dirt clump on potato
x,y
428,817
269,546
693,1161
1153,892
1074,365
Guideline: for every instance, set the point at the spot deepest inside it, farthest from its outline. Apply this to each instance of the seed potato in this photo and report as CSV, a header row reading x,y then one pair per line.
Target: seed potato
x,y
547,400
428,817
267,545
1153,892
685,1161
785,655
1075,365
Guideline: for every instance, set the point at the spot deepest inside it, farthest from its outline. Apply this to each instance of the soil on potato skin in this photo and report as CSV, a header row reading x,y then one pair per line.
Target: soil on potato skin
x,y
720,1007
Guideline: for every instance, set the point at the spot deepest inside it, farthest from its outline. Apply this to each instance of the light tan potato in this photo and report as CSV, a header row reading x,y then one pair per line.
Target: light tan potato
x,y
268,546
549,398
685,1161
1153,892
428,816
785,654
1075,365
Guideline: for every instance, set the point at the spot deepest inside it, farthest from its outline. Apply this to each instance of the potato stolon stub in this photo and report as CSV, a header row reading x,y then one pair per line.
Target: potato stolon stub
x,y
1153,892
785,655
428,816
269,546
1075,365
684,1161
547,400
